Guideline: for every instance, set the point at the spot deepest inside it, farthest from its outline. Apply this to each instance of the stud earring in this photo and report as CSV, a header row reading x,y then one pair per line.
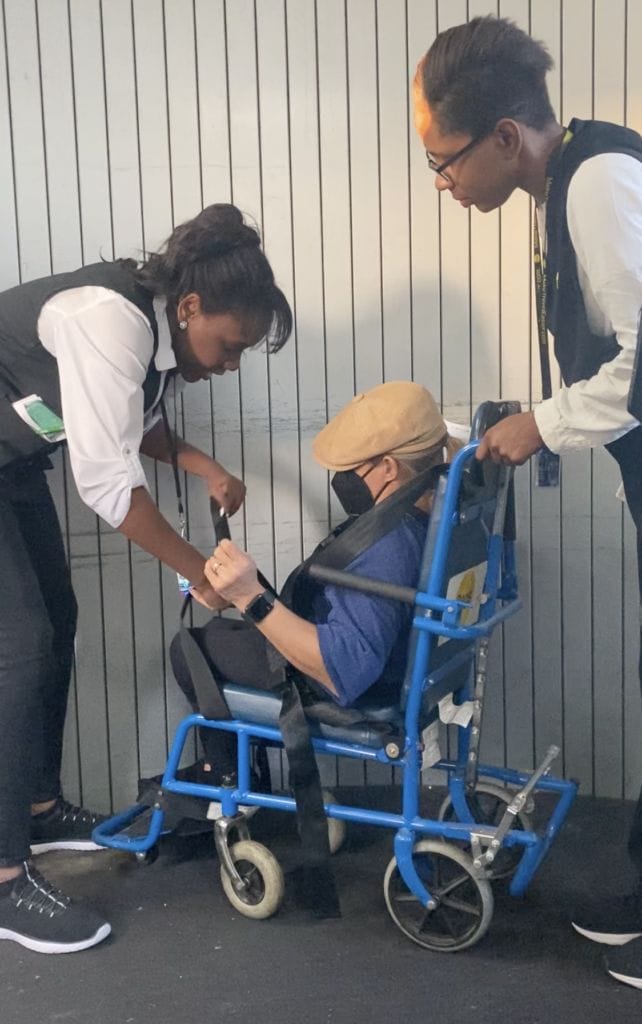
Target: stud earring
x,y
182,324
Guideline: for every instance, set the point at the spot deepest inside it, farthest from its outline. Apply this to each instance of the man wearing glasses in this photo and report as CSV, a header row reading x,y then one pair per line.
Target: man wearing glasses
x,y
484,117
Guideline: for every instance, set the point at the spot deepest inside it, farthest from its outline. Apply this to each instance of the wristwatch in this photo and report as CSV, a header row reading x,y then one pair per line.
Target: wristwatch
x,y
259,607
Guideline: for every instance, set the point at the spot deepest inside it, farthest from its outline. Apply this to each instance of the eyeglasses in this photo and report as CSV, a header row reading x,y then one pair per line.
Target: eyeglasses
x,y
440,168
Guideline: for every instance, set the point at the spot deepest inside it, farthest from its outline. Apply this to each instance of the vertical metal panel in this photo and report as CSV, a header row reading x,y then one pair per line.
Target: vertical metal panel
x,y
607,513
425,275
394,199
454,228
29,164
363,105
119,120
315,287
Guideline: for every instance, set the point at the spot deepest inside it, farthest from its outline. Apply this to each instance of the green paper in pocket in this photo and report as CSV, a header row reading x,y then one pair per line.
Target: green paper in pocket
x,y
40,418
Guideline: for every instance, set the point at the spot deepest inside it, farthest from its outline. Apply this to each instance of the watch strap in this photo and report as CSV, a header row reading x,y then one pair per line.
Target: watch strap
x,y
259,607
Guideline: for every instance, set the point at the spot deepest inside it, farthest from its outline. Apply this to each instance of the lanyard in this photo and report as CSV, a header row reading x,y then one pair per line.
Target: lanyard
x,y
173,451
219,518
539,265
183,583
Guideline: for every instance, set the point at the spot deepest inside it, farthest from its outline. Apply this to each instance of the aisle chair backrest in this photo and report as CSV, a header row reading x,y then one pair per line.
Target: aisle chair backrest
x,y
456,562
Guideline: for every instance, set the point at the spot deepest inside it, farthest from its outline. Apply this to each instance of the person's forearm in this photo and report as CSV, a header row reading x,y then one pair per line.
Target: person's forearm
x,y
146,527
225,489
155,444
590,412
298,641
294,638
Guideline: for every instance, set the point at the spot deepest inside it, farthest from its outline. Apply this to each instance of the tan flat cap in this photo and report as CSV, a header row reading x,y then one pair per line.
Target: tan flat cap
x,y
396,418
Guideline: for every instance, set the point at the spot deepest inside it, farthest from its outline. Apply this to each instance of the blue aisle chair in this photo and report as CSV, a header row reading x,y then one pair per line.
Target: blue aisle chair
x,y
438,884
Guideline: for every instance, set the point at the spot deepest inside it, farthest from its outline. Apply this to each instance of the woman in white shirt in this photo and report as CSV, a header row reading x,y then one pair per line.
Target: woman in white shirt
x,y
97,348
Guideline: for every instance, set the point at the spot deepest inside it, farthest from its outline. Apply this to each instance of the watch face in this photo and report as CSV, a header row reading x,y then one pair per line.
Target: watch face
x,y
258,608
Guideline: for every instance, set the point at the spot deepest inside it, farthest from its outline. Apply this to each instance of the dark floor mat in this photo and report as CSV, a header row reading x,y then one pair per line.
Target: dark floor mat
x,y
180,954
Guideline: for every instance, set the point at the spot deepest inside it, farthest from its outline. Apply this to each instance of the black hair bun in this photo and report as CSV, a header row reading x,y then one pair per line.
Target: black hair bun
x,y
216,232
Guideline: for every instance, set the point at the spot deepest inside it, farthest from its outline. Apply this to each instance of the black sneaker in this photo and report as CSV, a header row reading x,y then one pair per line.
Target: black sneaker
x,y
625,963
64,827
41,918
613,922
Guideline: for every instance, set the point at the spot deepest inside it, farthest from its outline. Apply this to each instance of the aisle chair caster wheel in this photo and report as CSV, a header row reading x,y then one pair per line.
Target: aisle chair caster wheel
x,y
337,827
264,883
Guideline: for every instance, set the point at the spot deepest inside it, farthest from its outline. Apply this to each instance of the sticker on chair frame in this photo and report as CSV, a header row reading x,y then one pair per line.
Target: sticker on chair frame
x,y
467,586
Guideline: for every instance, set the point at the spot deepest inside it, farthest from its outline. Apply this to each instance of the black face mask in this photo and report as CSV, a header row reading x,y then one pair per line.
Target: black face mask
x,y
353,492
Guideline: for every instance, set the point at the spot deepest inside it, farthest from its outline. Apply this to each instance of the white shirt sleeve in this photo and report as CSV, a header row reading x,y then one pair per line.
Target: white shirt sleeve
x,y
103,345
604,211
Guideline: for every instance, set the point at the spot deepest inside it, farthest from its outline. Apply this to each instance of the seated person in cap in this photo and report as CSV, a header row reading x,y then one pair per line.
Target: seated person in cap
x,y
342,642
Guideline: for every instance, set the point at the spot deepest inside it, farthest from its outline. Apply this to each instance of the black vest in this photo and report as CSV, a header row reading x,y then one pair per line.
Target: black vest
x,y
27,368
579,352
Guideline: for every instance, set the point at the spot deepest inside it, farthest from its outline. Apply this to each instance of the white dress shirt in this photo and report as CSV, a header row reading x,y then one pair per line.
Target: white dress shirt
x,y
604,213
103,345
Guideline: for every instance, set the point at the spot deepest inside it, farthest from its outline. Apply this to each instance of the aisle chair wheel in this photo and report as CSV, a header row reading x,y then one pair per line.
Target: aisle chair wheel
x,y
492,800
147,857
337,827
260,869
464,898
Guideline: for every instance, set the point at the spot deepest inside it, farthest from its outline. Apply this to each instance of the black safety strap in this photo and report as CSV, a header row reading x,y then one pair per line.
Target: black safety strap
x,y
210,700
354,536
328,713
222,532
316,886
369,527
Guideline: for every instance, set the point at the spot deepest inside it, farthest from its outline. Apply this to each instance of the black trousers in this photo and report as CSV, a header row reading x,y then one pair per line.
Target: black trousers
x,y
236,653
628,453
37,626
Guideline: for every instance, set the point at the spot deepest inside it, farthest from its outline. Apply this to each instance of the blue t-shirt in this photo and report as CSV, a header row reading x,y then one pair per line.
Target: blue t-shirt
x,y
363,637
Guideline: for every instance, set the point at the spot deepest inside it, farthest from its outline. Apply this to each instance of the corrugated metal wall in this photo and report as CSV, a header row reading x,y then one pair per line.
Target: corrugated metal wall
x,y
121,118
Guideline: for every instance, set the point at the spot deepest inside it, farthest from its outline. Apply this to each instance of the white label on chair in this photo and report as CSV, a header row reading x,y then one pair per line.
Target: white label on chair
x,y
455,714
467,586
431,752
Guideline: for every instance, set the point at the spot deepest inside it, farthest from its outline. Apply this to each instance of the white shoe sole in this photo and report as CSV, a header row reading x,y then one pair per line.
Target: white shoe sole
x,y
635,982
42,946
607,938
65,844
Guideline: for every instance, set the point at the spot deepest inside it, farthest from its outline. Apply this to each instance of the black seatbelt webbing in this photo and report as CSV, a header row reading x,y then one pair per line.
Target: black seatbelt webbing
x,y
211,702
376,522
350,539
316,886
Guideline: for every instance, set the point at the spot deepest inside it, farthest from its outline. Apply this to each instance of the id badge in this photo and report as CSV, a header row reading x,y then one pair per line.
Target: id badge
x,y
547,468
40,418
183,583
